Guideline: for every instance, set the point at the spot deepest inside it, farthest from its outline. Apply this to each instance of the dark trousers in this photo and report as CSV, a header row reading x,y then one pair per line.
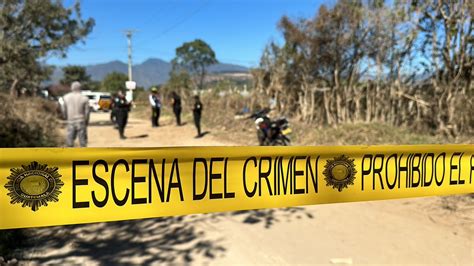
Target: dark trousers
x,y
113,116
177,113
122,118
155,116
197,122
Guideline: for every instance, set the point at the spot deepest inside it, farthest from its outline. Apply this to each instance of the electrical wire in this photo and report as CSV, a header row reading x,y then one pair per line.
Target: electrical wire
x,y
178,23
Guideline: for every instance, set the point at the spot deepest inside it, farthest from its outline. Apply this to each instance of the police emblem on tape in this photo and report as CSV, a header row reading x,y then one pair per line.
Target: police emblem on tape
x,y
340,172
34,185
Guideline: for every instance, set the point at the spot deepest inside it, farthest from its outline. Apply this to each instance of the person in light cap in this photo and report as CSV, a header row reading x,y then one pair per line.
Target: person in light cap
x,y
155,103
76,111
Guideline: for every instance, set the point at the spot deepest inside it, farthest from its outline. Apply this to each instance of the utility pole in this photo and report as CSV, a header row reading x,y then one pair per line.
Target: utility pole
x,y
130,84
129,34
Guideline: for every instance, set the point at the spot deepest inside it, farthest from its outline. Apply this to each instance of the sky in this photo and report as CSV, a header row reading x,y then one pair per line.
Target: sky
x,y
237,30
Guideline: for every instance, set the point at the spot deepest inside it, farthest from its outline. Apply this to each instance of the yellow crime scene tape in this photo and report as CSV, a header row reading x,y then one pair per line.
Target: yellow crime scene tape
x,y
59,186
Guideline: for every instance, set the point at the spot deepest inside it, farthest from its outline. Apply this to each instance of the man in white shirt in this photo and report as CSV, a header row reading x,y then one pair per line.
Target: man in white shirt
x,y
155,103
76,112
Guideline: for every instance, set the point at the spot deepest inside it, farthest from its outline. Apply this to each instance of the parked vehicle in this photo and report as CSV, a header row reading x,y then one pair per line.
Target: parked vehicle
x,y
105,102
98,100
271,132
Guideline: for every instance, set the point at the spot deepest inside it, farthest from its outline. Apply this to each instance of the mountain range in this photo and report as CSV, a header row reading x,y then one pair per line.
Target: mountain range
x,y
151,72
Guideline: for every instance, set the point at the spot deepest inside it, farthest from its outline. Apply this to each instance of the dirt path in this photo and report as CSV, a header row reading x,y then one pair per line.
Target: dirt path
x,y
140,134
417,231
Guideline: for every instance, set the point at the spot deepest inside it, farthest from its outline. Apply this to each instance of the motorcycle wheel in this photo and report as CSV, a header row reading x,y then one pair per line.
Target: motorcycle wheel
x,y
281,141
261,138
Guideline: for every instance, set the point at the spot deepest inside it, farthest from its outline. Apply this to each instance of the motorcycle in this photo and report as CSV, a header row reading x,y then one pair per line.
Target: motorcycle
x,y
271,132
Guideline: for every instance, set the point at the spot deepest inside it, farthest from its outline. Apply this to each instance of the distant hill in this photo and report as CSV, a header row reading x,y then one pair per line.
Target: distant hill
x,y
151,72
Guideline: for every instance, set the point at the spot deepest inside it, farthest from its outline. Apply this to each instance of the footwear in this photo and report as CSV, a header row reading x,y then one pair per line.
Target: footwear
x,y
123,137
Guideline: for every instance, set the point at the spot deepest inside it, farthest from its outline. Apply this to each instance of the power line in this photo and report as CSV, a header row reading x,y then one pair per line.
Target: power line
x,y
129,34
154,17
186,18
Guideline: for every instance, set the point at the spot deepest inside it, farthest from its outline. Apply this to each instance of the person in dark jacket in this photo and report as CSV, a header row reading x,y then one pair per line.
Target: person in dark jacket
x,y
122,108
176,101
197,111
155,103
113,111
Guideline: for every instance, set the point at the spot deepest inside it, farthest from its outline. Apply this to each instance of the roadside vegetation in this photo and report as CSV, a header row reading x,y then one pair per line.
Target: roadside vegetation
x,y
30,122
405,63
229,124
357,73
31,31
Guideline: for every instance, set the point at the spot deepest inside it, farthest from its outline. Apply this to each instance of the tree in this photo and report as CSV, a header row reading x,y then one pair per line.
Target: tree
x,y
75,73
448,30
31,30
361,61
93,85
114,81
178,80
194,57
327,49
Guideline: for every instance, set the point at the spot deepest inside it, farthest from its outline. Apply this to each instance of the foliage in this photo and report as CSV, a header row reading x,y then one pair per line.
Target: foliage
x,y
179,81
194,57
403,62
446,29
75,73
32,30
242,132
93,85
78,73
227,84
58,90
114,81
27,122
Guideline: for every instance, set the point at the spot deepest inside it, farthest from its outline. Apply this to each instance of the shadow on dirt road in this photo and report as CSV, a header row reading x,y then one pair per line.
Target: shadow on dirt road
x,y
160,240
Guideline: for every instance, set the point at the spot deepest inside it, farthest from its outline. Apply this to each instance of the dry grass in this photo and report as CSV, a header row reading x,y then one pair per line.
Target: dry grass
x,y
29,122
367,134
242,131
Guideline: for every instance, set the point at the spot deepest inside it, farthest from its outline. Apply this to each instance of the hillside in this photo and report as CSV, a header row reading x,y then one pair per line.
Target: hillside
x,y
150,72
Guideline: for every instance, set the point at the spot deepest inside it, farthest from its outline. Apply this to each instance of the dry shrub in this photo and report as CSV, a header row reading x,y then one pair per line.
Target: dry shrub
x,y
28,122
243,132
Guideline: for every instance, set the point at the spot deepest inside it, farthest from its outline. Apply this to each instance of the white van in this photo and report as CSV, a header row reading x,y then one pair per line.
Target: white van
x,y
94,98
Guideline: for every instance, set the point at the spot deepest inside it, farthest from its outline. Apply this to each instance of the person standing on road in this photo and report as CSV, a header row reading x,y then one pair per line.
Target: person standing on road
x,y
122,108
176,101
197,110
113,111
155,103
76,111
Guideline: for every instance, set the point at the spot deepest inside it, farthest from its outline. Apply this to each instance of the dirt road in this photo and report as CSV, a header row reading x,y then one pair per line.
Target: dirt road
x,y
418,231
